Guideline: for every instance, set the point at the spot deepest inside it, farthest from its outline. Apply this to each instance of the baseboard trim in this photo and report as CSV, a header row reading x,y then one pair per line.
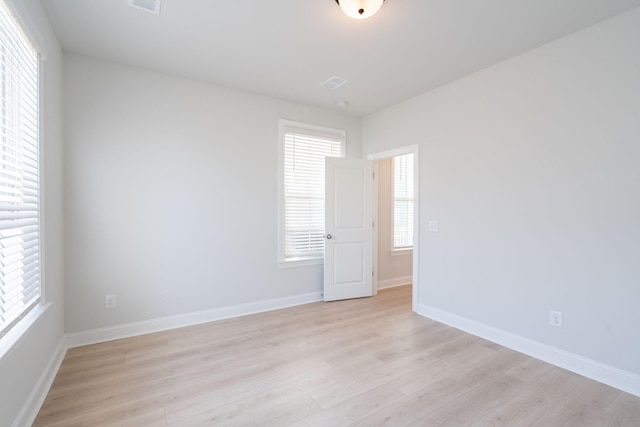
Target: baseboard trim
x,y
609,375
94,336
395,282
32,405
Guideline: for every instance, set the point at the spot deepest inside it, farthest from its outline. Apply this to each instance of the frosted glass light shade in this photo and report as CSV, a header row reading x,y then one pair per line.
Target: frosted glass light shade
x,y
360,9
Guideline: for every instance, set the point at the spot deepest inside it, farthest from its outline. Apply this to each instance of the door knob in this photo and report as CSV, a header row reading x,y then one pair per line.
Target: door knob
x,y
329,236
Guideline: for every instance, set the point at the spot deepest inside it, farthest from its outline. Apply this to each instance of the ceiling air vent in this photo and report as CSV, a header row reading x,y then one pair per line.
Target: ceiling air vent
x,y
152,6
334,82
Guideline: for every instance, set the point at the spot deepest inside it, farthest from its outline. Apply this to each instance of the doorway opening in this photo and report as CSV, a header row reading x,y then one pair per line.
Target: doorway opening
x,y
396,219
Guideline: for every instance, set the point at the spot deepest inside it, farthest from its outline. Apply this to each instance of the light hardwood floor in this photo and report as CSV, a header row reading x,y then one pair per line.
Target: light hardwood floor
x,y
365,362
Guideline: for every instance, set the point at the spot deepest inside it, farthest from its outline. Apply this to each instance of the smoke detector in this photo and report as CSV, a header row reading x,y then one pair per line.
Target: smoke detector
x,y
152,6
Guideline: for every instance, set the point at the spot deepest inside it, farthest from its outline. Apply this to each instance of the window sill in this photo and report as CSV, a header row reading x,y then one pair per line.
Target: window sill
x,y
401,252
15,335
294,263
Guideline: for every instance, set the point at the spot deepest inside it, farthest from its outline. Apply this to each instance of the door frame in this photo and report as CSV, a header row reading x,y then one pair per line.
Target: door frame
x,y
409,149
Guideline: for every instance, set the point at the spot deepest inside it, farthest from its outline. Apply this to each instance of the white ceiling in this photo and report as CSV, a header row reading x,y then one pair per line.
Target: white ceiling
x,y
287,48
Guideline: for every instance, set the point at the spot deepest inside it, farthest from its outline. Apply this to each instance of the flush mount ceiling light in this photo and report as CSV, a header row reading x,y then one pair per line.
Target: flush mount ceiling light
x,y
360,9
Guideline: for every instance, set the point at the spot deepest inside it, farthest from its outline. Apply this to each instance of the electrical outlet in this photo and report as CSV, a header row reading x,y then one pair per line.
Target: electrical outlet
x,y
555,318
109,301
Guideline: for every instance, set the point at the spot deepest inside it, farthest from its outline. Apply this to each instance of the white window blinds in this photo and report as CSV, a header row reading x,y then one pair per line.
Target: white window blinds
x,y
403,201
305,150
19,174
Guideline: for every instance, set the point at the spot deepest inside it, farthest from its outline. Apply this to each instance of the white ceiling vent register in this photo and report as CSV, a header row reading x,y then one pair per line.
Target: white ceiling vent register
x,y
152,6
334,82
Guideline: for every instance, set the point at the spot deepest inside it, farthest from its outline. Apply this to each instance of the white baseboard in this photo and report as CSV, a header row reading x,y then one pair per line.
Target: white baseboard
x,y
29,411
614,377
94,336
396,281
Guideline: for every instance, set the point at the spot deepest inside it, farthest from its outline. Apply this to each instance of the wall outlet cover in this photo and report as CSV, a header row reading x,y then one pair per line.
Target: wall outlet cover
x,y
555,318
109,301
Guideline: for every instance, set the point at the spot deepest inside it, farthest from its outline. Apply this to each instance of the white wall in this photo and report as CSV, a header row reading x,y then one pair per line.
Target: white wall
x,y
532,168
27,367
172,195
393,268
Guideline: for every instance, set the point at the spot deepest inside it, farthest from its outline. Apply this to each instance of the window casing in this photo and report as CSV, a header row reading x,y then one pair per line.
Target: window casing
x,y
403,191
303,151
20,287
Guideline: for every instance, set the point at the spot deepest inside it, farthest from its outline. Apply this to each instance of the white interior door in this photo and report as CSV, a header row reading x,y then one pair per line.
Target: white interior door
x,y
348,250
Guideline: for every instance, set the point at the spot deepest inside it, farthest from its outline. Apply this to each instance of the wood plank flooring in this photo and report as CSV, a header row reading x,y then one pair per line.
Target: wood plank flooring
x,y
365,362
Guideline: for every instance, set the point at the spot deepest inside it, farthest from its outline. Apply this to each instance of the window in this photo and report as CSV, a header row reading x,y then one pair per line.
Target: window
x,y
19,174
403,202
304,148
